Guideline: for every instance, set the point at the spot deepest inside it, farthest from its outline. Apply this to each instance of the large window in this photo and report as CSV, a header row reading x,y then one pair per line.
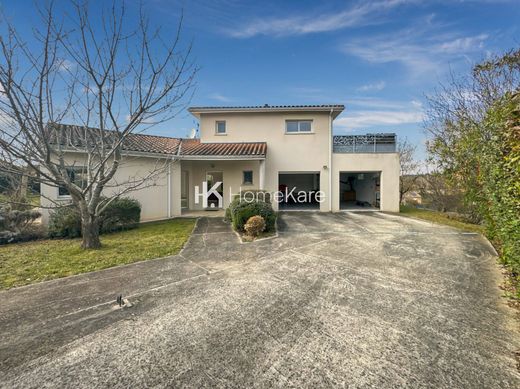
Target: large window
x,y
295,126
247,177
220,127
77,175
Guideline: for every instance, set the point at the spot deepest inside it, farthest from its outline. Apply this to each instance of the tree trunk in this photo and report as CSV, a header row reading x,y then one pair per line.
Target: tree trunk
x,y
90,232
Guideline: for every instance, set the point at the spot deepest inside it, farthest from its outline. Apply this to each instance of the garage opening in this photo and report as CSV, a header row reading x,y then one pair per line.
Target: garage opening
x,y
299,191
360,190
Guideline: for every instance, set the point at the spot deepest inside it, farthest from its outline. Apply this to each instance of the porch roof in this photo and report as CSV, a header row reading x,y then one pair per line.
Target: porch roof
x,y
195,149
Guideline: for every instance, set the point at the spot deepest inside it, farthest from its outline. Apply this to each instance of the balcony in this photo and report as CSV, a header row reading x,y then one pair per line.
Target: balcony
x,y
368,143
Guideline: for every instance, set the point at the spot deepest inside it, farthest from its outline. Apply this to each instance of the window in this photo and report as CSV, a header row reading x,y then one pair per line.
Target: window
x,y
294,126
220,127
248,177
78,175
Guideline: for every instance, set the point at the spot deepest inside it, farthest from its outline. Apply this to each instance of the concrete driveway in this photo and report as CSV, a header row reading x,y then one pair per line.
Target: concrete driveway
x,y
337,300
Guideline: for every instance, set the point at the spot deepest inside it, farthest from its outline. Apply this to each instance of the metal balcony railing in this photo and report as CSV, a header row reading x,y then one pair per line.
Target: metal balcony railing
x,y
369,143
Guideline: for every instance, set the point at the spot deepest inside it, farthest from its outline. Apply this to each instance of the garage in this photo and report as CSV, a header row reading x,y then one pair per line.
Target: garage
x,y
299,190
360,190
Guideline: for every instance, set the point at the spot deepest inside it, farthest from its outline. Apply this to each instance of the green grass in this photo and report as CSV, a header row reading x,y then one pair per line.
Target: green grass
x,y
440,218
27,263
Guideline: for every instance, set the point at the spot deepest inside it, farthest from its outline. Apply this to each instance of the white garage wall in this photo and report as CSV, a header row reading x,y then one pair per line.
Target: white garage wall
x,y
386,163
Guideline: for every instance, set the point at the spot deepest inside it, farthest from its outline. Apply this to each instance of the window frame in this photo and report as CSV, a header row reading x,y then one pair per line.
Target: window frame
x,y
217,122
299,131
244,176
74,169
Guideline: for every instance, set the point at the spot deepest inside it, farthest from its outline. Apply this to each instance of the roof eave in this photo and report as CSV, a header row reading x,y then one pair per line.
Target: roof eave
x,y
197,111
221,157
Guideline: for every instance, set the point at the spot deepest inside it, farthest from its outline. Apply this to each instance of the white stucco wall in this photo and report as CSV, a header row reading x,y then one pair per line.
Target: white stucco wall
x,y
232,177
286,153
386,163
153,197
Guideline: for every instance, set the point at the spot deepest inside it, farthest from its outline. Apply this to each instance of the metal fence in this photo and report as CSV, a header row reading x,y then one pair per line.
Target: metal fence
x,y
369,143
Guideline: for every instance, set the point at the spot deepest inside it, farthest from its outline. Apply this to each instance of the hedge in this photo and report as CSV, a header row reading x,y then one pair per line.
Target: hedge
x,y
121,214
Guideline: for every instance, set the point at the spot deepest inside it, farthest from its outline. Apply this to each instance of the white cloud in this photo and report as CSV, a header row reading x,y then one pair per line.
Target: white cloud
x,y
463,45
65,65
219,97
376,86
370,112
362,14
420,50
365,119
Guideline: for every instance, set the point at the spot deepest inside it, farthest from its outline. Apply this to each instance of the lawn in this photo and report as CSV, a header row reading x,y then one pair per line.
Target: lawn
x,y
27,263
440,218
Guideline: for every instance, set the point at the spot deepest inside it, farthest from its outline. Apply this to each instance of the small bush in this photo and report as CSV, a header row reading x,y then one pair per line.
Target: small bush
x,y
13,223
254,225
121,214
65,222
241,211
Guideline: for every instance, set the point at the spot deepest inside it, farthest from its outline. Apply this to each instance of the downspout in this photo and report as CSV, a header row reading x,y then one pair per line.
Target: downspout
x,y
173,160
330,159
169,191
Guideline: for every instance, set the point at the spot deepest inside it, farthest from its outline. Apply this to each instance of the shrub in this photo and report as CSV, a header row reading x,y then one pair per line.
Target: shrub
x,y
65,222
241,211
13,223
121,214
254,225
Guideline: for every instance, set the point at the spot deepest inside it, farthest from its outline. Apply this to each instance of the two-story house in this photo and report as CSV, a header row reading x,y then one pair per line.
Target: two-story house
x,y
285,150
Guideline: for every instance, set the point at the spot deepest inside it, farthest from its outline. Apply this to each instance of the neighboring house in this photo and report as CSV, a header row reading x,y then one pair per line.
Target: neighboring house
x,y
272,148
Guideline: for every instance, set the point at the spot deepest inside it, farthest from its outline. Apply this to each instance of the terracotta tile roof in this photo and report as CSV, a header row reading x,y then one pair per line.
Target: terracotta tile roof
x,y
194,147
74,136
152,144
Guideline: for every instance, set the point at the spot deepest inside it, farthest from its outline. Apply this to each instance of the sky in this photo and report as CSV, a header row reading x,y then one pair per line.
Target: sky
x,y
378,58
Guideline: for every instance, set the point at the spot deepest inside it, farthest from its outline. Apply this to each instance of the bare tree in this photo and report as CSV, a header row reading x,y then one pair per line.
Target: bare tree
x,y
409,167
102,71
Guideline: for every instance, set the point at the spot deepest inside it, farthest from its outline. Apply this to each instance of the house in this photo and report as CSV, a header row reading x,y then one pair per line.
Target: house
x,y
288,150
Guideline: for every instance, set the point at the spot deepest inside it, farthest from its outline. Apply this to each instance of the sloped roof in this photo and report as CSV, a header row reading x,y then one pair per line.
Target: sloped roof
x,y
194,147
336,109
74,137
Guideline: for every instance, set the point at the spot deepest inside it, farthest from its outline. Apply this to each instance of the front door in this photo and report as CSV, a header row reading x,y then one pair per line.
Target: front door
x,y
212,178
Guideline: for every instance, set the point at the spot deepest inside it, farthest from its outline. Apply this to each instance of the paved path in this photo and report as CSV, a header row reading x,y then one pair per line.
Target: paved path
x,y
358,300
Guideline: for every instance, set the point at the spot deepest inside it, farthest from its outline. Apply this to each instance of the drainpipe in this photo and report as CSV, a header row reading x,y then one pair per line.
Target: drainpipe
x,y
175,159
330,159
169,191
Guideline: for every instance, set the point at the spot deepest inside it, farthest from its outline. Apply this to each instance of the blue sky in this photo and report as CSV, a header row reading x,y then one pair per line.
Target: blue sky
x,y
379,58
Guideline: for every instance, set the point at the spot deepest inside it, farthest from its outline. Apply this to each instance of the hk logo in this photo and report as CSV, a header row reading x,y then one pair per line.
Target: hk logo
x,y
211,196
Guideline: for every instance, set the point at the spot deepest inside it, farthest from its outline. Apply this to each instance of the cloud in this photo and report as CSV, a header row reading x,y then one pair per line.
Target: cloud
x,y
377,86
420,50
362,14
64,65
365,119
376,112
219,97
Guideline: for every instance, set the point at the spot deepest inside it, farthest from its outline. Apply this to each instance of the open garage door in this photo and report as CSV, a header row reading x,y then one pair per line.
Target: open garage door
x,y
360,190
300,191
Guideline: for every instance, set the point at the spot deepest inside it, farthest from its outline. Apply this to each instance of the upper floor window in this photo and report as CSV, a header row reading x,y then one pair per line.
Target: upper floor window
x,y
220,127
78,176
293,126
